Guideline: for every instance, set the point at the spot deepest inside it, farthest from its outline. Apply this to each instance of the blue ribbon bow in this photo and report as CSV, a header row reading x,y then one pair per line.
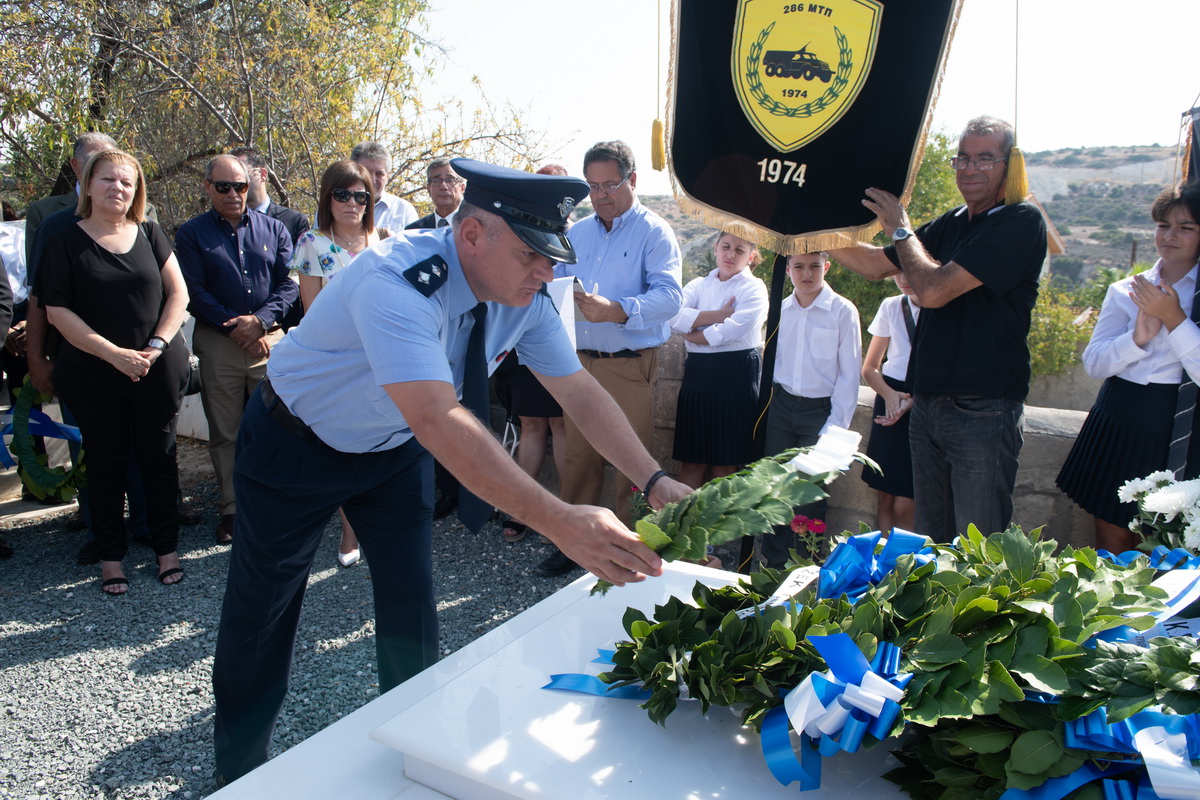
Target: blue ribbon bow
x,y
39,425
853,568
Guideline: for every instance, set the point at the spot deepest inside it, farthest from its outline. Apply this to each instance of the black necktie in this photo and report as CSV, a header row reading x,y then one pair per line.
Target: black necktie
x,y
472,511
441,223
1185,409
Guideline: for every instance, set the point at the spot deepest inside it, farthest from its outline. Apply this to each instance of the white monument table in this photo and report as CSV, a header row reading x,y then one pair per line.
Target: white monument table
x,y
478,726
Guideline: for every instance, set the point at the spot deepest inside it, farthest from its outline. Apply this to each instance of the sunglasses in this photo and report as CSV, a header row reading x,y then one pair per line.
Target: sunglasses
x,y
345,195
223,187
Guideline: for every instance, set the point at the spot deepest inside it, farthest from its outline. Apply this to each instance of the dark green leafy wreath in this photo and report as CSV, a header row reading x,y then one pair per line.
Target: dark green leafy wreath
x,y
840,81
34,468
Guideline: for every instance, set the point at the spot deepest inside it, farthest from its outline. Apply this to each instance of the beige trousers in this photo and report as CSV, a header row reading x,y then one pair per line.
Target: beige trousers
x,y
630,381
228,375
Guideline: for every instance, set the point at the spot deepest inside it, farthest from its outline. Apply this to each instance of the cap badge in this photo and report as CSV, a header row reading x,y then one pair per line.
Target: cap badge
x,y
566,207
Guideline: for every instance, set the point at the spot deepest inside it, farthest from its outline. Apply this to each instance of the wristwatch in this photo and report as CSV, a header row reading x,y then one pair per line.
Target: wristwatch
x,y
158,343
901,233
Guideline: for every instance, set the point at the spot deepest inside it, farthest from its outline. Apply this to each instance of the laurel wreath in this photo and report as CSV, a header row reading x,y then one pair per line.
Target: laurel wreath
x,y
32,467
841,79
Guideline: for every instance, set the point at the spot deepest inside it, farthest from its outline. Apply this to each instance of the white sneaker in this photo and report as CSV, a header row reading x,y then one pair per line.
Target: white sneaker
x,y
348,559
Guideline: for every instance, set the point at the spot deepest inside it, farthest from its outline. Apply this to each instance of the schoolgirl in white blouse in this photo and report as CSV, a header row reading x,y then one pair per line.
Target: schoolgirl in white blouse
x,y
1143,342
722,325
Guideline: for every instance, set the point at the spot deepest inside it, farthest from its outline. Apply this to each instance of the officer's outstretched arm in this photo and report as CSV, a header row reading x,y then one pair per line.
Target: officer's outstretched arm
x,y
592,537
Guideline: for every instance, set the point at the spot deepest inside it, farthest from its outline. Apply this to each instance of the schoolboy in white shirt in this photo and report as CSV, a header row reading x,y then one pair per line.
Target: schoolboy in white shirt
x,y
818,361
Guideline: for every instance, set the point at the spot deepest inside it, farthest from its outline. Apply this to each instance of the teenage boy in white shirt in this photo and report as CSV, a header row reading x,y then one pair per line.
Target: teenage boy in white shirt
x,y
817,366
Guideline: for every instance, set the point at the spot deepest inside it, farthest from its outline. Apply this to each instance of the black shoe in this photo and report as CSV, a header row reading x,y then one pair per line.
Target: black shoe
x,y
556,565
445,506
75,522
88,554
6,550
189,516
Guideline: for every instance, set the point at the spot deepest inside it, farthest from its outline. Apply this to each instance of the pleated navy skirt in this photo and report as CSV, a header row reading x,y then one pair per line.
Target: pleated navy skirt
x,y
888,446
1126,435
714,421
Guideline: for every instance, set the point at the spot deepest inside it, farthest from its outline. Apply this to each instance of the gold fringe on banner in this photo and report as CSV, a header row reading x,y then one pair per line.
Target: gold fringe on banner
x,y
817,240
1016,185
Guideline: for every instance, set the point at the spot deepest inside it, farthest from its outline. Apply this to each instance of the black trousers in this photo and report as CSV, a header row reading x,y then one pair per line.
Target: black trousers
x,y
792,422
287,488
120,420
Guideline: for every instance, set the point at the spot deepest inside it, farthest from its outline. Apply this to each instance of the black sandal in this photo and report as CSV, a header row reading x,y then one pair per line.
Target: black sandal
x,y
122,581
162,576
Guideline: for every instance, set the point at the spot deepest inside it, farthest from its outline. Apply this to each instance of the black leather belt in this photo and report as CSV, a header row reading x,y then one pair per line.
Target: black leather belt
x,y
290,422
618,354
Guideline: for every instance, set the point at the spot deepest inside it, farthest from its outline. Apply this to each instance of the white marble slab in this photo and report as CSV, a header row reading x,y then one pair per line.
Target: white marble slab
x,y
491,733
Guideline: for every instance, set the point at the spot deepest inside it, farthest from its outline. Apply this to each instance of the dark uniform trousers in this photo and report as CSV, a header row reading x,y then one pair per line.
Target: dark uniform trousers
x,y
287,489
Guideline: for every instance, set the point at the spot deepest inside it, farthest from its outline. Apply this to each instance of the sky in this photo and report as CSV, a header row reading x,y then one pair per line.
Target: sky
x,y
1069,73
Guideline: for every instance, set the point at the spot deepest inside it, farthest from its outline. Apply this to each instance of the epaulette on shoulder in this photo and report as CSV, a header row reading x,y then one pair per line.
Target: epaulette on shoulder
x,y
429,275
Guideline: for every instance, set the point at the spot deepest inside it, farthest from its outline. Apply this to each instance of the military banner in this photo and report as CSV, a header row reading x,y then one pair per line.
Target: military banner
x,y
783,113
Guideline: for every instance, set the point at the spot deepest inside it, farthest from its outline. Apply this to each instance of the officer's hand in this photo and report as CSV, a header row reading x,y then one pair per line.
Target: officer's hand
x,y
244,330
598,308
665,491
40,375
596,540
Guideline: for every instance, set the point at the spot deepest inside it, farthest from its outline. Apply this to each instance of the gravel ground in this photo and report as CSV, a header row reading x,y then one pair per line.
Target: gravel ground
x,y
112,698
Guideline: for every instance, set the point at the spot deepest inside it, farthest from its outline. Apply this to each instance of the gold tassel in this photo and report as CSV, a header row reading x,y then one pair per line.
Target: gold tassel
x,y
658,150
1016,188
1187,154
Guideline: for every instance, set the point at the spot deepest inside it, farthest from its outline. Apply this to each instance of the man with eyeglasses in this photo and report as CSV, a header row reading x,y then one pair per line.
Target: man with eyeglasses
x,y
235,264
445,190
391,211
629,288
975,272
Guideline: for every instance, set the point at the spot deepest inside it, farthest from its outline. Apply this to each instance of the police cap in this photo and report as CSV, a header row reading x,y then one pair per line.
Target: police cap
x,y
536,207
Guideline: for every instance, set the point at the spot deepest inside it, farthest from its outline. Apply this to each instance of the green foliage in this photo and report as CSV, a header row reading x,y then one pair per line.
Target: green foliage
x,y
177,82
1054,339
988,621
743,504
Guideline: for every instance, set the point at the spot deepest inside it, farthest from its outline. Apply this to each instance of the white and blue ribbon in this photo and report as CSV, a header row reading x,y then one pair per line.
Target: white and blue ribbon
x,y
834,710
39,425
1166,743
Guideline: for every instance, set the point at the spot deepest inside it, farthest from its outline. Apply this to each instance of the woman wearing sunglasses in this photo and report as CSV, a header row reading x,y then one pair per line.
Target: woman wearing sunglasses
x,y
345,227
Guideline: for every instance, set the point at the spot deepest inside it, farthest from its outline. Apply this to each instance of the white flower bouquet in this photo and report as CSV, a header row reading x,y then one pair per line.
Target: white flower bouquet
x,y
1168,510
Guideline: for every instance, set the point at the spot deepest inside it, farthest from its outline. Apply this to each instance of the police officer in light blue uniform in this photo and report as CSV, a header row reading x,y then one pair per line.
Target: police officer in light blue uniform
x,y
358,396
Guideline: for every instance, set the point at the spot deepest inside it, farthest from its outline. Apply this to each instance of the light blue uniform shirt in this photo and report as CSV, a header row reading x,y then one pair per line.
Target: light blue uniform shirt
x,y
371,326
637,263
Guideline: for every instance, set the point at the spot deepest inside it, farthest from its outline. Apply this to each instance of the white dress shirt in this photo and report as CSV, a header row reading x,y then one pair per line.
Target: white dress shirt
x,y
889,322
1112,350
742,330
394,213
819,353
12,252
